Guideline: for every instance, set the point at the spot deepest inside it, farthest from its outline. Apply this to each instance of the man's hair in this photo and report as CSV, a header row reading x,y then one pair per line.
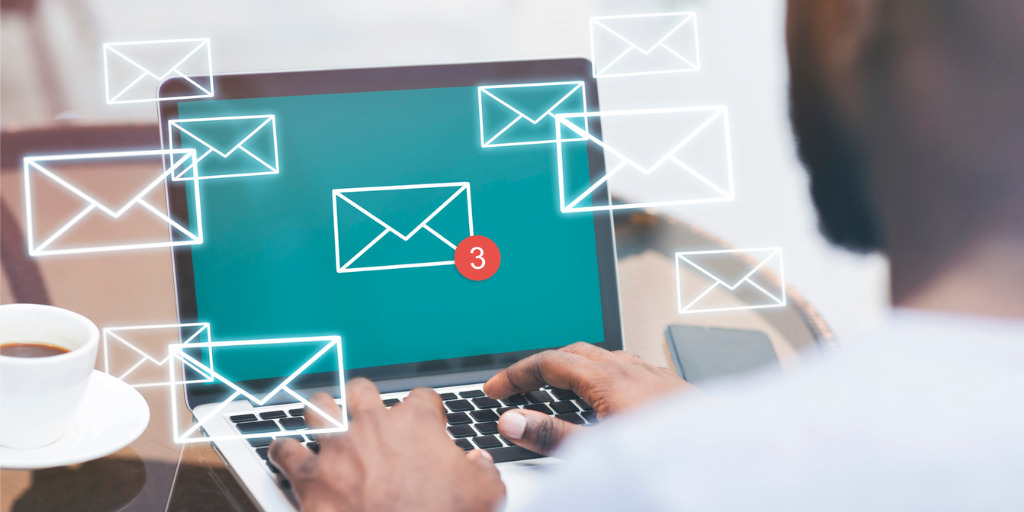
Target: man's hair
x,y
839,184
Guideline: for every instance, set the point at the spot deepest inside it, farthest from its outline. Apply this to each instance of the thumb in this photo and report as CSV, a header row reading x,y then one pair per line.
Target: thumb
x,y
534,430
488,471
481,458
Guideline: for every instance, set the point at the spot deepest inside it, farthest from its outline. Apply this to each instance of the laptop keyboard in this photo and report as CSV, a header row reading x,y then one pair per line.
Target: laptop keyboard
x,y
472,421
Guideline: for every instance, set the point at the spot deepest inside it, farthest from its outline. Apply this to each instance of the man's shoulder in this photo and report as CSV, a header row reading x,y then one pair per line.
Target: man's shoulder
x,y
912,366
917,399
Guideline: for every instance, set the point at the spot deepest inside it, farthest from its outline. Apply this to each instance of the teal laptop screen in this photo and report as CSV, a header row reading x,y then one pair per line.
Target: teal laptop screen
x,y
347,226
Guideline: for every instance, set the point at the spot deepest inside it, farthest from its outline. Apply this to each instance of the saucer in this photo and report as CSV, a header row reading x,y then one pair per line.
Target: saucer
x,y
112,416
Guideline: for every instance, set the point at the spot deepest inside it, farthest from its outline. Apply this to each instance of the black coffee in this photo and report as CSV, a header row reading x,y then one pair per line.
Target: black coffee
x,y
31,350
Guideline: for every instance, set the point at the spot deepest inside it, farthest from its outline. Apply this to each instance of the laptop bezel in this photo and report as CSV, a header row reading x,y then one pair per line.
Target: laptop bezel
x,y
438,373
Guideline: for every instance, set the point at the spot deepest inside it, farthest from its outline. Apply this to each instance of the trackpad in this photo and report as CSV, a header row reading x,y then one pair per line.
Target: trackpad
x,y
523,479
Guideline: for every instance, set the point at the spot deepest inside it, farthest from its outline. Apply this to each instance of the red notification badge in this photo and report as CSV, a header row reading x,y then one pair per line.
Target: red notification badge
x,y
477,258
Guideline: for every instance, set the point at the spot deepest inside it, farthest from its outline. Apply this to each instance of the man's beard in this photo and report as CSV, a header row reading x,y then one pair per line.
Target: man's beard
x,y
836,164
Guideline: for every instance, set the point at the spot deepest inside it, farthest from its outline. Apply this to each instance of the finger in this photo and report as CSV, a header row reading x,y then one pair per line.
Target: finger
x,y
534,430
483,460
292,458
480,457
590,351
426,402
324,410
560,369
363,398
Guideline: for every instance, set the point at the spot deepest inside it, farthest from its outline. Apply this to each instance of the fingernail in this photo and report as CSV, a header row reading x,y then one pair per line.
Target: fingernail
x,y
484,454
512,425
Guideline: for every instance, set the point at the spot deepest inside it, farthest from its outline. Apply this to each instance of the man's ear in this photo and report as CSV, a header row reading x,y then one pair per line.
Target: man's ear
x,y
831,39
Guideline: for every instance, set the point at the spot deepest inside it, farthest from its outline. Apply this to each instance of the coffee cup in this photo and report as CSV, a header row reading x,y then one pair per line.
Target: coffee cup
x,y
40,396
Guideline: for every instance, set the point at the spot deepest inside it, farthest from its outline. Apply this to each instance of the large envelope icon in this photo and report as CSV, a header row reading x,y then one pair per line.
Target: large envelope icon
x,y
653,158
729,280
644,44
133,71
395,227
100,202
138,354
524,114
292,359
227,147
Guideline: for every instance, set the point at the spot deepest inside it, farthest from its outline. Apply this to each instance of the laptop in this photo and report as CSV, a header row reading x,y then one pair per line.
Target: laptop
x,y
286,256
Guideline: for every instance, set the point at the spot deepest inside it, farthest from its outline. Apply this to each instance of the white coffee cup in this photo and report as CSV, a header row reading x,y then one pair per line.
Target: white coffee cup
x,y
39,396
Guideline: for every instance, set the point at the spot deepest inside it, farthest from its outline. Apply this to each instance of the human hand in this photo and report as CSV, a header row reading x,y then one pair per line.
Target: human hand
x,y
397,459
609,381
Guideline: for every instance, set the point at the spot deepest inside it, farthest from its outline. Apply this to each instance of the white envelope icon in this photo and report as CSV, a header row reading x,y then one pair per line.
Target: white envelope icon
x,y
644,44
138,355
663,157
227,147
729,280
524,114
312,352
101,202
133,71
406,226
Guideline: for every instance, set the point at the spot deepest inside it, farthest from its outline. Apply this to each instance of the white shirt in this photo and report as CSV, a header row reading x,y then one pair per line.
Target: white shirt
x,y
925,414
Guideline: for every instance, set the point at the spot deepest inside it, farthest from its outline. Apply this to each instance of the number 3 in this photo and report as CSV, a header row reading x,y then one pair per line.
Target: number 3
x,y
479,256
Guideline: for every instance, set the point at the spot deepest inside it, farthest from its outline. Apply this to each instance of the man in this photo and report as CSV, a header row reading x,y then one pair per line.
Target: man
x,y
910,118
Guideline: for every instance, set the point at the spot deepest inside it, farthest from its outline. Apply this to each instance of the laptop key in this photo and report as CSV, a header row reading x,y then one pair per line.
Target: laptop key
x,y
269,415
590,416
458,418
259,442
539,396
241,418
459,405
539,408
563,407
391,402
293,423
564,394
458,431
297,412
484,415
486,403
258,427
571,417
487,428
313,446
473,393
262,452
485,442
514,400
585,406
511,453
503,410
464,444
449,396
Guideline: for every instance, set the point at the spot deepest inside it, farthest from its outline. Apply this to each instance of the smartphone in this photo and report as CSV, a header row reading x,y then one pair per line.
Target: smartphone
x,y
708,353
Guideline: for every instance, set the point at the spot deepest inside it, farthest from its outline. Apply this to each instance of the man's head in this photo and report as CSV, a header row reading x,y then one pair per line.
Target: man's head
x,y
909,115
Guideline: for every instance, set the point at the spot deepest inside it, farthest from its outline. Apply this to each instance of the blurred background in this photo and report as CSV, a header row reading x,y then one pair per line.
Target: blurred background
x,y
51,72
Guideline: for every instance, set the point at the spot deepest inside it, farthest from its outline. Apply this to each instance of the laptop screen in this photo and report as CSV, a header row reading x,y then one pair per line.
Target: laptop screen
x,y
350,231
